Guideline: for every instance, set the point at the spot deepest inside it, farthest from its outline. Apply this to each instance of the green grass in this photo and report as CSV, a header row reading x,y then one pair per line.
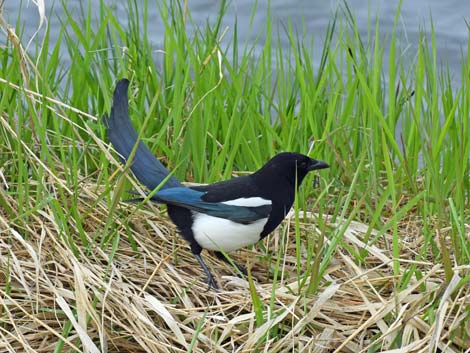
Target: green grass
x,y
398,143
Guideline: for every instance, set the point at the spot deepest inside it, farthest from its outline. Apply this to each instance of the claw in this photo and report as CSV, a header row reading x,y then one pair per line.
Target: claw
x,y
212,284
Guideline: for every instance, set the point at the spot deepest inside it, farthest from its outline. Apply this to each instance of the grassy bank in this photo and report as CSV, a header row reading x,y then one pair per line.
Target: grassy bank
x,y
376,257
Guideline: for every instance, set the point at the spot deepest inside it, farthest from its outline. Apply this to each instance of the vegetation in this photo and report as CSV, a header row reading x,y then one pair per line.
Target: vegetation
x,y
376,257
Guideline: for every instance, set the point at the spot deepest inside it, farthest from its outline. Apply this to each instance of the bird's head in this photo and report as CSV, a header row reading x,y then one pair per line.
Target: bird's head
x,y
289,166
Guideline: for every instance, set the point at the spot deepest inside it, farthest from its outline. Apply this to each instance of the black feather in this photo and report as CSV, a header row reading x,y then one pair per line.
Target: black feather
x,y
146,167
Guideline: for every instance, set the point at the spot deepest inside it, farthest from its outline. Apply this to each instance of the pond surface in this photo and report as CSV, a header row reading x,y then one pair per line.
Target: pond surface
x,y
310,17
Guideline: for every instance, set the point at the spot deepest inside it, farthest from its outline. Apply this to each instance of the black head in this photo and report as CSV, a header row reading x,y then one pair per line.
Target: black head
x,y
288,166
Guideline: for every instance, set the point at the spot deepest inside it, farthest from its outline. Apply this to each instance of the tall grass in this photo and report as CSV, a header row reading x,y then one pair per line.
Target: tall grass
x,y
398,146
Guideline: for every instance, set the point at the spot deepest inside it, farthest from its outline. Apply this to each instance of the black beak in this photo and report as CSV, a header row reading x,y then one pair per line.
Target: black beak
x,y
314,165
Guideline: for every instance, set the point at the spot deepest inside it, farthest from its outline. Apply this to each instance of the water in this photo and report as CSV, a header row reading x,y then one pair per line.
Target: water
x,y
310,15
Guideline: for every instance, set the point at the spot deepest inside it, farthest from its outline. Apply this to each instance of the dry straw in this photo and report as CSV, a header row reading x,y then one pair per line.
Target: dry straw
x,y
155,299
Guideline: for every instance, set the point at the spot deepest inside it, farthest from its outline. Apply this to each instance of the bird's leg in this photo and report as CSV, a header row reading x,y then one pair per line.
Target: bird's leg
x,y
210,278
222,257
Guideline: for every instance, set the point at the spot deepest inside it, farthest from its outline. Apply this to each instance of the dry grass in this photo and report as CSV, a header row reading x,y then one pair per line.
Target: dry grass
x,y
155,299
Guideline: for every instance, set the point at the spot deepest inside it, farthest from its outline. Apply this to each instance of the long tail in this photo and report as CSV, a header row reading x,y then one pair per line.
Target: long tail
x,y
148,169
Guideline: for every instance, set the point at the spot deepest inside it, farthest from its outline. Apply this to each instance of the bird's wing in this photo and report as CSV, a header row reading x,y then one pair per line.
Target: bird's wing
x,y
227,190
148,169
193,200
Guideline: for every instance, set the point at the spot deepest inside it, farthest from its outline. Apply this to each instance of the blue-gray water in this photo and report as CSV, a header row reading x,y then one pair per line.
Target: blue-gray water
x,y
449,19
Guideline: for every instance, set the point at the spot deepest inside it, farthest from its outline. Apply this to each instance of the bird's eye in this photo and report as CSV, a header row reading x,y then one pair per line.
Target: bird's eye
x,y
303,164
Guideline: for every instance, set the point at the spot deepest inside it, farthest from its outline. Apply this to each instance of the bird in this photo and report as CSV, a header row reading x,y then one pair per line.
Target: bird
x,y
220,217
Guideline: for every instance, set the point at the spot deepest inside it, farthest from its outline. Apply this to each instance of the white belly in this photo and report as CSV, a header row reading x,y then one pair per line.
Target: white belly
x,y
215,233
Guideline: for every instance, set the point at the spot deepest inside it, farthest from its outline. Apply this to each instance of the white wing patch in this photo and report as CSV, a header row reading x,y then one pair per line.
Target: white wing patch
x,y
216,233
248,202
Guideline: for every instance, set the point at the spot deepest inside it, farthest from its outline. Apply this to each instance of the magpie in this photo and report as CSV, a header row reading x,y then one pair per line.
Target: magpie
x,y
224,216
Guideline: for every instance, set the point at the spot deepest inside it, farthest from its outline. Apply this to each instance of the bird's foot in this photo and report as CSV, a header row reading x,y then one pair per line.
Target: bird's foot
x,y
212,284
